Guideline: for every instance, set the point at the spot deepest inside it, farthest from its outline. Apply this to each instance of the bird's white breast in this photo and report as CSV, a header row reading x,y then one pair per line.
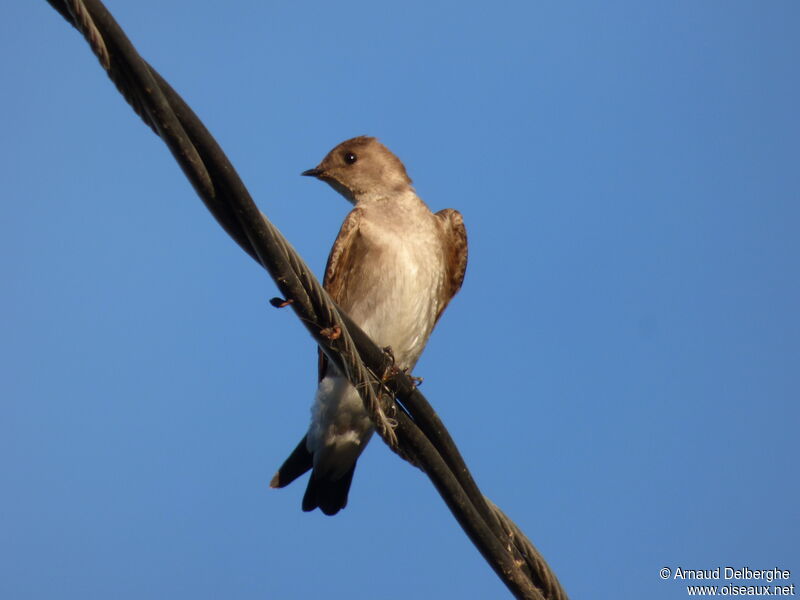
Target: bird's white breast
x,y
402,274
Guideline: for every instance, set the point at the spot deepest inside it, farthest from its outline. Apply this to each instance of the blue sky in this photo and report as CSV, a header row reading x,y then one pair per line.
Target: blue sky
x,y
620,369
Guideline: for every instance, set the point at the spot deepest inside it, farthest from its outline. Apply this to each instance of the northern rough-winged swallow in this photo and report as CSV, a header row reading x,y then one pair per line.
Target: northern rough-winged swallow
x,y
393,268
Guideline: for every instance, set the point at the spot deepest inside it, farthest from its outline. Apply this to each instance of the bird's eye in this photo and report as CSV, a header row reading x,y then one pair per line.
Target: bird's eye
x,y
350,158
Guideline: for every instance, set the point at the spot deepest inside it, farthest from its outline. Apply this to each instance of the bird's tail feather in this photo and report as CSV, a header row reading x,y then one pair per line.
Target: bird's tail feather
x,y
330,496
299,461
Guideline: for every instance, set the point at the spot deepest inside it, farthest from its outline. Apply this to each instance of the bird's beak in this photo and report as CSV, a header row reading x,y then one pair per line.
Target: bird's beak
x,y
315,172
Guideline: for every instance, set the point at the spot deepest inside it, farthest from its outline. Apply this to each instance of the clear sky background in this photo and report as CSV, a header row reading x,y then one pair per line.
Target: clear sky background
x,y
620,368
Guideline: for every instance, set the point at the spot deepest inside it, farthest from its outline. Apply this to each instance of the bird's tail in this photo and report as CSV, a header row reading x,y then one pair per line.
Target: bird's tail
x,y
323,492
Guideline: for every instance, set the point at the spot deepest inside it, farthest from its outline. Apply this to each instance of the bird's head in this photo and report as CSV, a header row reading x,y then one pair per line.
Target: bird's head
x,y
362,168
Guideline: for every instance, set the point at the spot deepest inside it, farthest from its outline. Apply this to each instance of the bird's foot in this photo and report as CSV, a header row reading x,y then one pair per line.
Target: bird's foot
x,y
387,350
417,381
392,369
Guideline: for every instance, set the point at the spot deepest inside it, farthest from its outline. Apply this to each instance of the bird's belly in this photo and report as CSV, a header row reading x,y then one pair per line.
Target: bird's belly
x,y
396,305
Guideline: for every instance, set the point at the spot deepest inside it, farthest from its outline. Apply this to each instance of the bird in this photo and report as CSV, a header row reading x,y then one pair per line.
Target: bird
x,y
393,268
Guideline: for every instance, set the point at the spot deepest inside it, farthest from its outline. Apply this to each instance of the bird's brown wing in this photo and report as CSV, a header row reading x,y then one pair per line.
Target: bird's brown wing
x,y
455,254
340,264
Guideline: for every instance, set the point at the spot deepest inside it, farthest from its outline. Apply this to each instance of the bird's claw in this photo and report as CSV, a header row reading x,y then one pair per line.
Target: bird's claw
x,y
417,381
392,369
387,350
